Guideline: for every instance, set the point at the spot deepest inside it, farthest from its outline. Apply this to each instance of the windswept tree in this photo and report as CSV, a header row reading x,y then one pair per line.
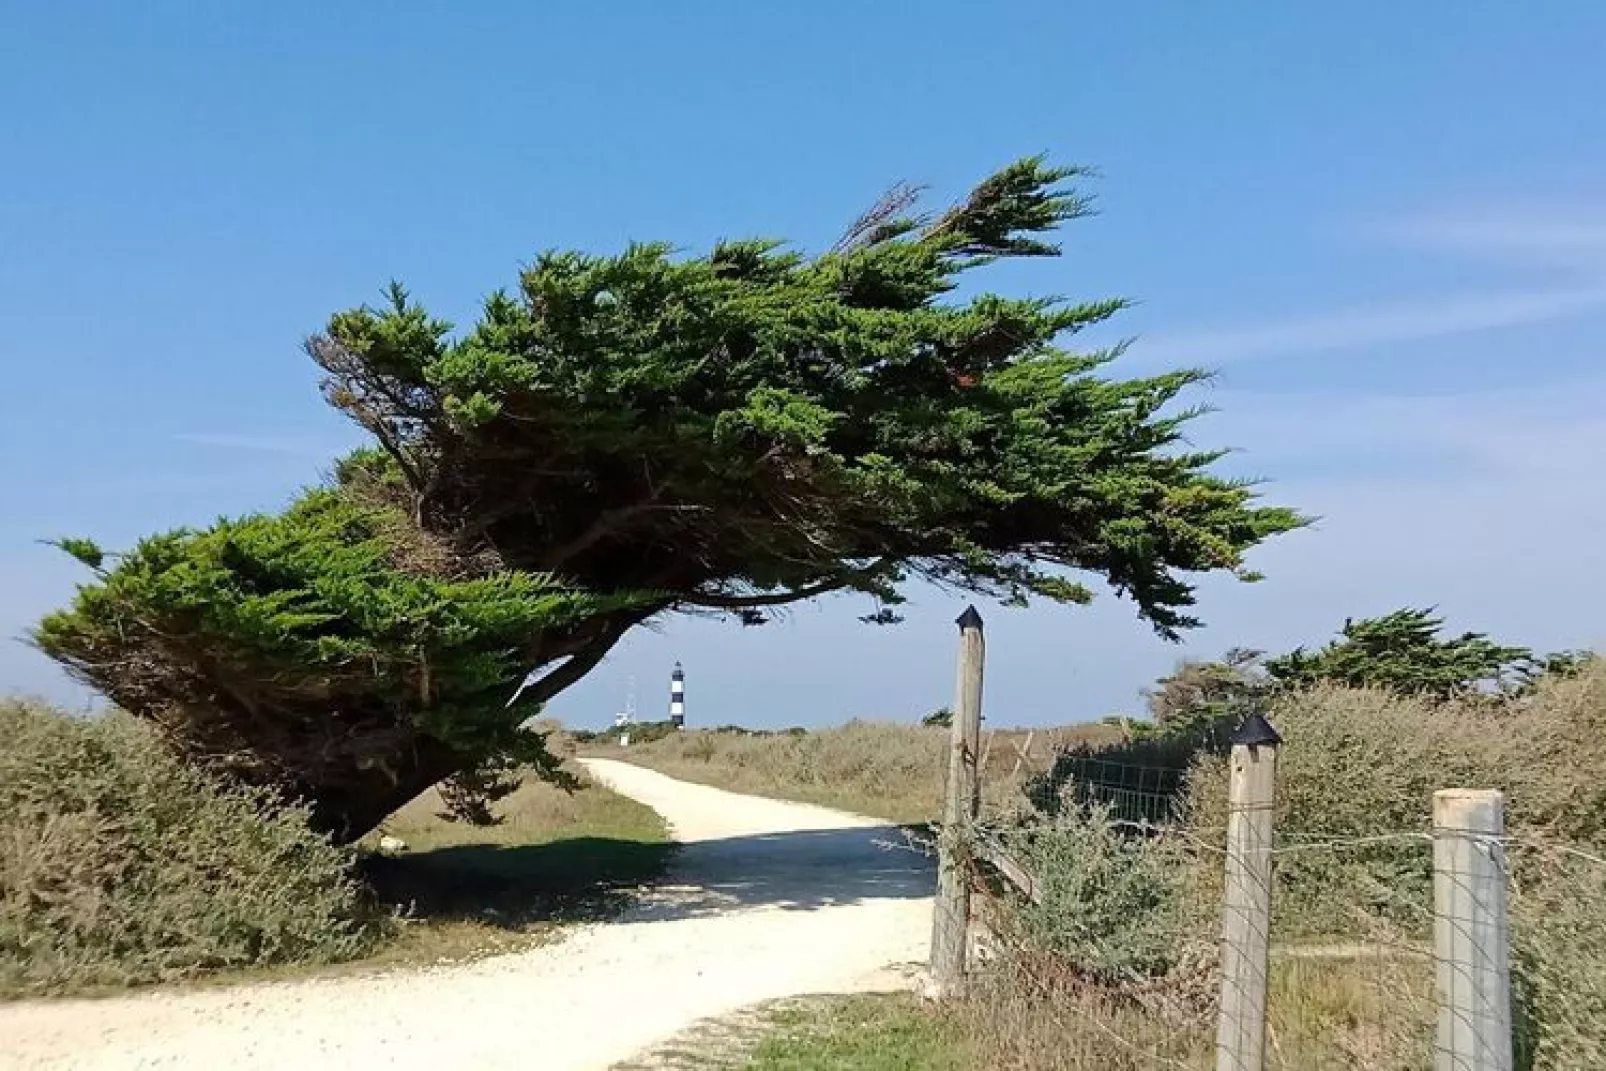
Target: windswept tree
x,y
1402,652
1200,697
1405,652
622,437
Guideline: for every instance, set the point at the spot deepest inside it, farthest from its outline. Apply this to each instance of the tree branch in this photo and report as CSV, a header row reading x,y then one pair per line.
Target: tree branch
x,y
780,598
605,525
585,660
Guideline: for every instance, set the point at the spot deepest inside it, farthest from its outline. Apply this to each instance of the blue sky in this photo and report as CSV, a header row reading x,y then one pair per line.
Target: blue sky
x,y
1385,225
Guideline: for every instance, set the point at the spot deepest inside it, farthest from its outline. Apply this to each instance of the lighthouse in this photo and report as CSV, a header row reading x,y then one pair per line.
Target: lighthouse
x,y
677,697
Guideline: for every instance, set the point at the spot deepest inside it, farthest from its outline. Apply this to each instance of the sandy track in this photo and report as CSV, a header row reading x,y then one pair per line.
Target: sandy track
x,y
767,899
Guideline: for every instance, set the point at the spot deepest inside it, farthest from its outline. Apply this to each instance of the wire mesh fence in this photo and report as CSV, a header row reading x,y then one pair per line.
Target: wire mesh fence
x,y
1162,932
1558,953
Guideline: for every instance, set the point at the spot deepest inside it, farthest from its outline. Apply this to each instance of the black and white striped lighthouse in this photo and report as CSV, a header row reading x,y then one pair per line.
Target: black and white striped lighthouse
x,y
677,697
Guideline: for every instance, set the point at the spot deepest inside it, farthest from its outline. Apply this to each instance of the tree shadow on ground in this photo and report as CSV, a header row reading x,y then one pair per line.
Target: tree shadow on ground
x,y
592,878
577,879
804,870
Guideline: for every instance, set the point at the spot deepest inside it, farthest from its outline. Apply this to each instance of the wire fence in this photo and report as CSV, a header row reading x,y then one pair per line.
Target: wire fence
x,y
1164,928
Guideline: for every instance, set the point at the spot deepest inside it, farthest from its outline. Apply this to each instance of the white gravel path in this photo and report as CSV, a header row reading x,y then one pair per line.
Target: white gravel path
x,y
767,899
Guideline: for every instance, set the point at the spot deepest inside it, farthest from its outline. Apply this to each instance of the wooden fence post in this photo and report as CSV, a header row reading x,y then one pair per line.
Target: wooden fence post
x,y
1471,937
951,914
1246,908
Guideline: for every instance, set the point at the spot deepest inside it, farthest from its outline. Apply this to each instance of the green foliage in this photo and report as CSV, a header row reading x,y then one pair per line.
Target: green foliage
x,y
645,732
1404,653
1562,665
941,718
728,432
1112,904
293,648
754,426
1194,711
1202,702
1197,707
85,550
470,795
121,864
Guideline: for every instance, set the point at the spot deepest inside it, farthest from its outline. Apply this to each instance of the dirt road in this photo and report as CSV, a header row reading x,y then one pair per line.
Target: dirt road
x,y
767,899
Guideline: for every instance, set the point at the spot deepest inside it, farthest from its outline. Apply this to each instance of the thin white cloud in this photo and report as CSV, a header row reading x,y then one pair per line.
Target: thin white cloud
x,y
260,444
1567,245
1551,235
1374,325
1549,431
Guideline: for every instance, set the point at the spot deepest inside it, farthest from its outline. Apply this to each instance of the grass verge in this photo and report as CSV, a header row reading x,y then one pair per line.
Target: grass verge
x,y
887,1032
865,1032
556,858
1327,1014
882,769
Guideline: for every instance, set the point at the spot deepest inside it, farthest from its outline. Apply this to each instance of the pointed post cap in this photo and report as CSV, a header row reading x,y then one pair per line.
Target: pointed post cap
x,y
969,619
1256,731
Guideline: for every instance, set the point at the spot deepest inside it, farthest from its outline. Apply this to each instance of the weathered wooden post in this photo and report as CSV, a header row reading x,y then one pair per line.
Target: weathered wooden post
x,y
1246,908
951,915
1471,936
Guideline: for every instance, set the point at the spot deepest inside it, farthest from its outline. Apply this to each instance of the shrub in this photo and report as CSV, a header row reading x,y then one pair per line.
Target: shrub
x,y
1111,904
120,864
1403,652
1559,963
1363,763
1359,764
1357,772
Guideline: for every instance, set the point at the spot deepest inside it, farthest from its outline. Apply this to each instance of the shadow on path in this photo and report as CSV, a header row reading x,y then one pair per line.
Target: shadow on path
x,y
575,879
797,871
591,878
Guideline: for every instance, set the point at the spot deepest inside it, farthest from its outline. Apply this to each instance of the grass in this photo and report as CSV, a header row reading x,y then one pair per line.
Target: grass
x,y
859,1033
882,769
466,891
866,1032
1325,1015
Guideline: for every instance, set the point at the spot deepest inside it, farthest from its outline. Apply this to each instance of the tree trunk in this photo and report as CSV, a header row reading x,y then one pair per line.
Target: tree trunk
x,y
347,806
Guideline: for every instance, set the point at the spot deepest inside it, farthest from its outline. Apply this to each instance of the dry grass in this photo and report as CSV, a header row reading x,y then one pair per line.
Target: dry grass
x,y
1351,984
557,857
1327,1016
876,768
1352,903
884,769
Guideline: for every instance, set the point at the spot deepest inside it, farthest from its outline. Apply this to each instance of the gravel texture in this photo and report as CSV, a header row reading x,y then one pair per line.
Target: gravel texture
x,y
766,899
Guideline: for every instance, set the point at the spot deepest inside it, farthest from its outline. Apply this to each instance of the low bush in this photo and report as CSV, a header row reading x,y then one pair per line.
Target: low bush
x,y
1559,962
121,864
1360,764
1112,905
1356,776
